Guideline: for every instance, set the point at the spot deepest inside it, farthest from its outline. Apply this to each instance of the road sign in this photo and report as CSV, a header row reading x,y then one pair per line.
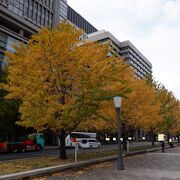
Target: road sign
x,y
161,137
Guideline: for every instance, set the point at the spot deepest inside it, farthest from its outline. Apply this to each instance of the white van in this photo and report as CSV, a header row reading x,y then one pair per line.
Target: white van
x,y
90,143
78,137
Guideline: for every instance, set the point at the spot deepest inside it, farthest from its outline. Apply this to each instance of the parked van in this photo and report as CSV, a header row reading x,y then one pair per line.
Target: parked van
x,y
78,137
90,143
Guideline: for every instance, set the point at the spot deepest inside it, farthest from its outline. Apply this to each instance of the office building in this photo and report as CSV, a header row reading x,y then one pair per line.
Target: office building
x,y
80,22
19,19
142,67
136,59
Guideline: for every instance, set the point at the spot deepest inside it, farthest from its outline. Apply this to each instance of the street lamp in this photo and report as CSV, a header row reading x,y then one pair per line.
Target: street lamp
x,y
117,103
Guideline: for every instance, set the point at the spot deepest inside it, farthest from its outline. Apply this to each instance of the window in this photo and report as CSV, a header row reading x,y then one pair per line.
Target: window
x,y
16,6
62,10
92,140
1,56
10,7
41,136
78,135
84,141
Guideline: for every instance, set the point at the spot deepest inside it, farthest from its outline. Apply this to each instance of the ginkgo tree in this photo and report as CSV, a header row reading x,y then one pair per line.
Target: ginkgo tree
x,y
63,81
170,111
141,109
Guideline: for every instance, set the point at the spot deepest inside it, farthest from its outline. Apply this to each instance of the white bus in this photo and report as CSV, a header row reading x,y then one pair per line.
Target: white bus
x,y
78,137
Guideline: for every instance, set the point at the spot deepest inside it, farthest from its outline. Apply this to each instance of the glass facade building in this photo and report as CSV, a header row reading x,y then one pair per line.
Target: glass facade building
x,y
16,6
25,17
19,19
6,44
38,12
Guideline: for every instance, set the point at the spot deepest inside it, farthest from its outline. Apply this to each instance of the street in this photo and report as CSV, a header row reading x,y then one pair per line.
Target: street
x,y
151,166
53,151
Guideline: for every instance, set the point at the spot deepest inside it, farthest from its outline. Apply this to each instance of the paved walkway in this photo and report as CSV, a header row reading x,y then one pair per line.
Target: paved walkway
x,y
151,166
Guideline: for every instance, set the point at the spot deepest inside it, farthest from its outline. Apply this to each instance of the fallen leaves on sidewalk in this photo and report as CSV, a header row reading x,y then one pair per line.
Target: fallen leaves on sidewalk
x,y
14,166
80,171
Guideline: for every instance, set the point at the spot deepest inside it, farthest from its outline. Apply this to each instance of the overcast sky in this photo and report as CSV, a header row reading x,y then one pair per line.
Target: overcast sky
x,y
153,26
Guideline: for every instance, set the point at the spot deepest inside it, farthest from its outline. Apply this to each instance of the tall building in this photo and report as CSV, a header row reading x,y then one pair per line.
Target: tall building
x,y
136,59
142,67
19,19
80,22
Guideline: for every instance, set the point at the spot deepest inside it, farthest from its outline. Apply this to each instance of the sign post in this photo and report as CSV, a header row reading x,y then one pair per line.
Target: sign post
x,y
76,151
161,138
127,146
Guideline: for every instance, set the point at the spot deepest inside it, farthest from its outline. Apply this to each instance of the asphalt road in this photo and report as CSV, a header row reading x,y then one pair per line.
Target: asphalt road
x,y
53,151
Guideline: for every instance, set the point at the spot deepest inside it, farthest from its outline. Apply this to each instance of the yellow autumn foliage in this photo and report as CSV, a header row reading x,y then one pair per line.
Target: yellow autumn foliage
x,y
63,81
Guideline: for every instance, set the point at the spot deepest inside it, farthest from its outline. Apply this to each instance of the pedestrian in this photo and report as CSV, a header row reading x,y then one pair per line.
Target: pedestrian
x,y
162,146
171,143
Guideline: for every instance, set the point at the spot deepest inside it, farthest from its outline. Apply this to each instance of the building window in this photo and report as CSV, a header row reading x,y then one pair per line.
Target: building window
x,y
62,10
16,6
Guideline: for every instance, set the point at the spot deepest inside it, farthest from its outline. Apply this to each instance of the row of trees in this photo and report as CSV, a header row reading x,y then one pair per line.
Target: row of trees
x,y
64,83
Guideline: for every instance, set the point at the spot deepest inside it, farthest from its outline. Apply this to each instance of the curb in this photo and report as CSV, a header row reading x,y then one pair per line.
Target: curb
x,y
60,168
54,169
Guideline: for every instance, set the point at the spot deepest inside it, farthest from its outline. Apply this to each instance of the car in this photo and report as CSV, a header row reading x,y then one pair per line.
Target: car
x,y
90,143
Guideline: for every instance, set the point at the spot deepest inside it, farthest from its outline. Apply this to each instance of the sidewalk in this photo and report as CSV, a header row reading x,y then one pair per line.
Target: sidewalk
x,y
150,166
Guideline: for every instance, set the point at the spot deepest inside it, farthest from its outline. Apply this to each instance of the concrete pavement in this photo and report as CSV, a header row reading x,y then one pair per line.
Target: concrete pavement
x,y
151,166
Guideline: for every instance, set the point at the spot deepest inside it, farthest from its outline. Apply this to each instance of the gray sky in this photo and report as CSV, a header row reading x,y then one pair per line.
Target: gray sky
x,y
153,26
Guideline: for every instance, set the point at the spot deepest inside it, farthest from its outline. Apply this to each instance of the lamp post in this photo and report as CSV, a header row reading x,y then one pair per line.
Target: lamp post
x,y
117,103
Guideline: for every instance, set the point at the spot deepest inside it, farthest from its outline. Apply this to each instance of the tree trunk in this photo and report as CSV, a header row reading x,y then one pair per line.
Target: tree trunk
x,y
168,136
152,137
62,152
178,138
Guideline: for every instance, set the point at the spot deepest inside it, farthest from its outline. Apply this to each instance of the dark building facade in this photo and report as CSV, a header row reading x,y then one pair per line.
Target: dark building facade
x,y
79,21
